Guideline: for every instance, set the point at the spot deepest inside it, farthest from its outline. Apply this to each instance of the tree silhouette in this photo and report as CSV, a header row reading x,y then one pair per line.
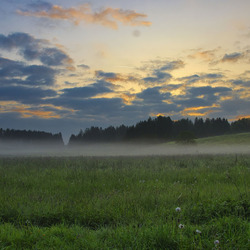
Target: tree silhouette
x,y
24,136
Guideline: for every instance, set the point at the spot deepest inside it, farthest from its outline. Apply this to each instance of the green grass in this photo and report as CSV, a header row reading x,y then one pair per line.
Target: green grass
x,y
239,139
125,203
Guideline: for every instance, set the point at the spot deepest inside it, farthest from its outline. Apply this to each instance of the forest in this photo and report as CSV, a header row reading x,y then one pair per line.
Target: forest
x,y
162,129
28,136
159,129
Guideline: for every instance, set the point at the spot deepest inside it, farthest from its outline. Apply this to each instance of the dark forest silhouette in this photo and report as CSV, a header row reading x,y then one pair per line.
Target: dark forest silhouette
x,y
162,129
159,129
30,137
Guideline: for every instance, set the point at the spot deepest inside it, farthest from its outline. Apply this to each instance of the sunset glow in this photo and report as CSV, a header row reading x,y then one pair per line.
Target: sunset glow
x,y
68,65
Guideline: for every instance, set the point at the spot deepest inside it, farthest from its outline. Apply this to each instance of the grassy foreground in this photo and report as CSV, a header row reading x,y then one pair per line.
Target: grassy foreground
x,y
125,203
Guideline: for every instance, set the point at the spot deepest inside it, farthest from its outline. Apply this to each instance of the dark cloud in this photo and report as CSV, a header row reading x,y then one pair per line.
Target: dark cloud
x,y
207,90
117,77
190,79
147,109
158,71
170,87
233,57
152,101
194,102
104,106
87,107
236,106
91,90
14,72
158,77
102,74
153,95
202,96
39,75
35,49
81,100
53,57
212,76
17,40
10,68
25,95
83,66
149,101
243,83
169,66
202,77
105,75
162,65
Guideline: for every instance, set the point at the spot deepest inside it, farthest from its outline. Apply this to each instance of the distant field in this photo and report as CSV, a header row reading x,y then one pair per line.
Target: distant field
x,y
239,139
157,202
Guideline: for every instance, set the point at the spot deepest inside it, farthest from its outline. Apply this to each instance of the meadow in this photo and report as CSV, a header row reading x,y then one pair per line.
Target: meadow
x,y
228,139
157,202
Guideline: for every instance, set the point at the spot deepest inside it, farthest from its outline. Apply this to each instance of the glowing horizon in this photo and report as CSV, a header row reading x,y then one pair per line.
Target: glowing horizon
x,y
69,65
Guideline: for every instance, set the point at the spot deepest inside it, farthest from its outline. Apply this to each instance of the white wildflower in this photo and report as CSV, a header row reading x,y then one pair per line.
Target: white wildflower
x,y
198,231
181,226
216,242
178,209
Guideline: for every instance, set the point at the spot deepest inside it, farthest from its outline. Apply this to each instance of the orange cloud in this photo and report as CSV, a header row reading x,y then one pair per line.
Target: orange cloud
x,y
123,78
191,111
200,108
39,113
242,116
207,55
198,114
225,98
57,107
161,114
116,78
108,17
24,110
127,99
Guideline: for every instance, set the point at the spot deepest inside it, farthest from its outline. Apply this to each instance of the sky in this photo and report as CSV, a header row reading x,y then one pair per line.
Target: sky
x,y
69,65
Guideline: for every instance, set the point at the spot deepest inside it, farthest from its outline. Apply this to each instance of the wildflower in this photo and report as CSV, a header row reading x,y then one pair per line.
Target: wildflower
x,y
198,231
178,209
27,223
181,226
216,242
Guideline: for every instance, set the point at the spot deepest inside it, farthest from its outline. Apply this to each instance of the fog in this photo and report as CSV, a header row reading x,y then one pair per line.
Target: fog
x,y
115,149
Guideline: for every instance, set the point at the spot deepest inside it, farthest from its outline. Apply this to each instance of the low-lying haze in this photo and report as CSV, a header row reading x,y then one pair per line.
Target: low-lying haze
x,y
120,150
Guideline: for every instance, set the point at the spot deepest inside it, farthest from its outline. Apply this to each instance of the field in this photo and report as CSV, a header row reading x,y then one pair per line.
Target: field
x,y
239,139
157,202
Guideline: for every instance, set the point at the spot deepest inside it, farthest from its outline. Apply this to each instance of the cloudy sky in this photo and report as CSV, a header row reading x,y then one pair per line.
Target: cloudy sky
x,y
67,65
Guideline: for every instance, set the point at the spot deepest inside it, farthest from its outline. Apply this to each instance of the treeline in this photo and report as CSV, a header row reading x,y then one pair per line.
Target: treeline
x,y
161,129
24,136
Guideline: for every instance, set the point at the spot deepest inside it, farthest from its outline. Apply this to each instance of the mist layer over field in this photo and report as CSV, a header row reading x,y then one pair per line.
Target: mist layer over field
x,y
159,149
122,149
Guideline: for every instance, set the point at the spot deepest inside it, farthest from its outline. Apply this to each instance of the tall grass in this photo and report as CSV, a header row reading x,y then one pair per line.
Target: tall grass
x,y
125,203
